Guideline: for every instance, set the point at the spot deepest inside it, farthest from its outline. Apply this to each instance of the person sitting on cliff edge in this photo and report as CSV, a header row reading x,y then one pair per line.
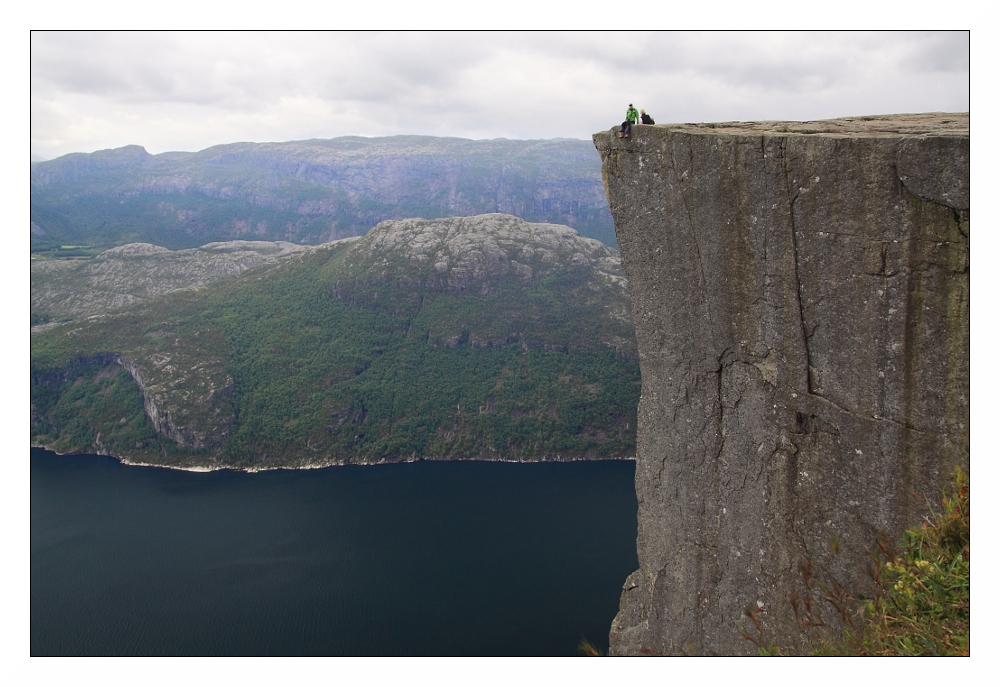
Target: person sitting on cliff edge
x,y
646,119
631,117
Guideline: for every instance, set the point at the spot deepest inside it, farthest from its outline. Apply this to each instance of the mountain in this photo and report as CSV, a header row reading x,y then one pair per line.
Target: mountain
x,y
481,337
308,192
68,289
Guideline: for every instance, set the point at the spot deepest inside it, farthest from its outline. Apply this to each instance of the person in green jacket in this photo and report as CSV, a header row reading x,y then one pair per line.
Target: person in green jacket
x,y
631,117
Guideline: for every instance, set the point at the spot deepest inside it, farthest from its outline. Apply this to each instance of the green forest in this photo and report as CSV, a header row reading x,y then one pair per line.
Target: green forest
x,y
328,358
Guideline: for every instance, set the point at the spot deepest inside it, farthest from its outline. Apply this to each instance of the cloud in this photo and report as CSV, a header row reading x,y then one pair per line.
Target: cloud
x,y
175,90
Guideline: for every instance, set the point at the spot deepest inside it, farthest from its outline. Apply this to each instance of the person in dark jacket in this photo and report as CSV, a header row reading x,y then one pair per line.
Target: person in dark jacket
x,y
631,117
646,119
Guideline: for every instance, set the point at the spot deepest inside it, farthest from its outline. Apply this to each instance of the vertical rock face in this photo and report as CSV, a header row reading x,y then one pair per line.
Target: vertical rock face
x,y
800,292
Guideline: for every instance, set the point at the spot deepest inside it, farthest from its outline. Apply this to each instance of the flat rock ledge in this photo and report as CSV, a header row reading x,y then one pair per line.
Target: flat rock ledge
x,y
871,126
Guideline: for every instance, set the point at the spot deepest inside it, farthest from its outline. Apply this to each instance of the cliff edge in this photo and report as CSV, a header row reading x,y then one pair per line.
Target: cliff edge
x,y
800,292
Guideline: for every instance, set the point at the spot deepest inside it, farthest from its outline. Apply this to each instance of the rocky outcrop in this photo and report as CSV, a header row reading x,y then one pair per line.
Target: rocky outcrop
x,y
800,292
484,254
169,392
187,401
466,252
126,275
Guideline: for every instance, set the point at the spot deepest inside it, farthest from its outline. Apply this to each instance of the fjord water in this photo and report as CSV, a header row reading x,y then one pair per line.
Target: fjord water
x,y
426,558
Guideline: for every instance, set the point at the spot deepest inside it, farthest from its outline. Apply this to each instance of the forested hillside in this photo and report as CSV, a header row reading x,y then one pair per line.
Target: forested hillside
x,y
483,337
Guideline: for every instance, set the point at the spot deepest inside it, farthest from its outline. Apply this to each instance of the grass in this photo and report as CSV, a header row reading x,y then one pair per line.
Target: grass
x,y
919,600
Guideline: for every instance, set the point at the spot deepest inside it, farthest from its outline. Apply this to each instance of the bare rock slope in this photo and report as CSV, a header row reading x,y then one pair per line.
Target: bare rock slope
x,y
129,274
801,298
467,251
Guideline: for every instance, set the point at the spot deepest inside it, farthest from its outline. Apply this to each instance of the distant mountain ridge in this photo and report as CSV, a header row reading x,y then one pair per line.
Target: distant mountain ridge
x,y
312,191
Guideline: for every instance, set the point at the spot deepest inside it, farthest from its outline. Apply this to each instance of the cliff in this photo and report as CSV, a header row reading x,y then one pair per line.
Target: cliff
x,y
800,293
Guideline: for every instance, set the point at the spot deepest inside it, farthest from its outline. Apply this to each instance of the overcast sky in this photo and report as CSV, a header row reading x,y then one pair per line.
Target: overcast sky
x,y
187,91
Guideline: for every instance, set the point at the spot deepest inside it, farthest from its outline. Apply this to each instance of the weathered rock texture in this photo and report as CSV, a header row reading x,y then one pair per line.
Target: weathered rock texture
x,y
129,274
800,292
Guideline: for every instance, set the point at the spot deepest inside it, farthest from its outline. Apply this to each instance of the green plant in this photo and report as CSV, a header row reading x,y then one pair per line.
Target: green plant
x,y
918,604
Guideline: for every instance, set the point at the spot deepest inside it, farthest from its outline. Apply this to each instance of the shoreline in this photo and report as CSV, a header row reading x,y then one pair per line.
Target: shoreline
x,y
319,466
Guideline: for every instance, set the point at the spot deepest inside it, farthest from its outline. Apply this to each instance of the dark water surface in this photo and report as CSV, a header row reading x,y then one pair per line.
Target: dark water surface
x,y
415,559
